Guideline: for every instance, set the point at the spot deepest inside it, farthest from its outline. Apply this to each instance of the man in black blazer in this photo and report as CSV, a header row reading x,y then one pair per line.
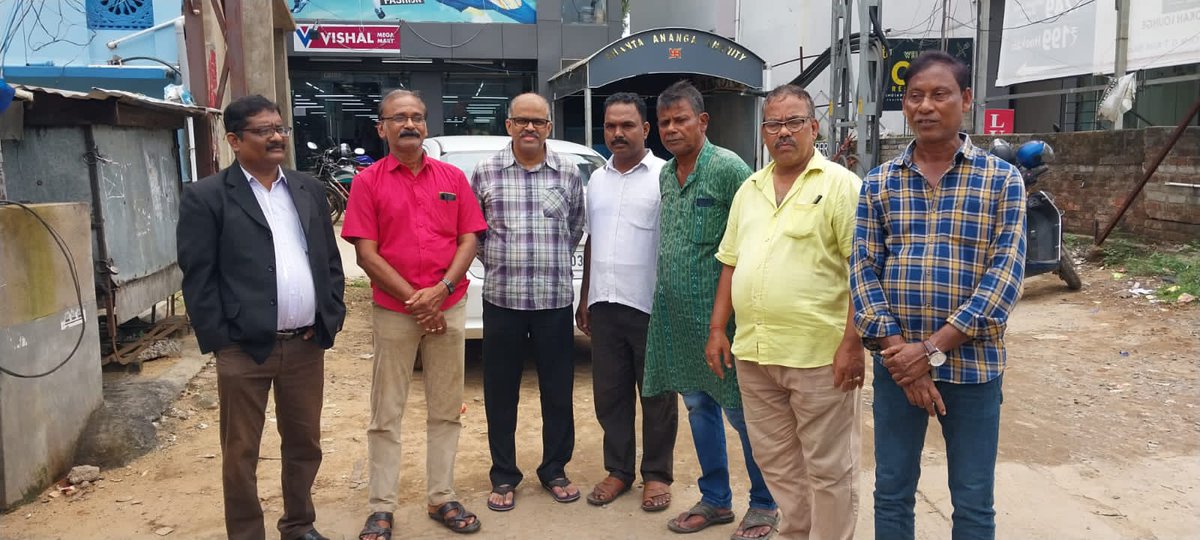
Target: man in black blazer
x,y
263,285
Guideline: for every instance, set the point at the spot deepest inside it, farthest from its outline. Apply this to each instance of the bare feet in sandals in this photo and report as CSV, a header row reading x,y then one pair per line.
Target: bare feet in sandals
x,y
757,523
656,496
502,498
562,490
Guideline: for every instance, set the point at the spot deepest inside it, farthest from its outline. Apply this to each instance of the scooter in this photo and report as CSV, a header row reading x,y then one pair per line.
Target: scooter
x,y
1043,230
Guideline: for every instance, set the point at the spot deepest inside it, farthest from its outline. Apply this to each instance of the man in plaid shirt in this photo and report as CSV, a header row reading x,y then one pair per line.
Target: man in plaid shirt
x,y
937,267
532,200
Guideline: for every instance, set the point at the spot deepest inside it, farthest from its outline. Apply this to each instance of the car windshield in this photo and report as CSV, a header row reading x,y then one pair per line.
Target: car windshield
x,y
467,161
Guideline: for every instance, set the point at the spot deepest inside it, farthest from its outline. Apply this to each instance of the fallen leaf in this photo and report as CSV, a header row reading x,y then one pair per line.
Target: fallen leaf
x,y
1186,298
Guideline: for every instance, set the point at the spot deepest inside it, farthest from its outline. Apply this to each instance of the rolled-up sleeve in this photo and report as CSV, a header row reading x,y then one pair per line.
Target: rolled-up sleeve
x,y
985,314
872,316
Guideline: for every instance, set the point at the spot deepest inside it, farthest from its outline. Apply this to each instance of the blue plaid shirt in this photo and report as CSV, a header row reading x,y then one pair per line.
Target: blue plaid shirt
x,y
952,254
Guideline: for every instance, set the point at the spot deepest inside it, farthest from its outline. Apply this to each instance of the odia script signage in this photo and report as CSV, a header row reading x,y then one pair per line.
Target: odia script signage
x,y
675,51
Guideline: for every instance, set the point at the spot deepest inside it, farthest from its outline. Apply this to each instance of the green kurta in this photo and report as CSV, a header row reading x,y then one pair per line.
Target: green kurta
x,y
692,221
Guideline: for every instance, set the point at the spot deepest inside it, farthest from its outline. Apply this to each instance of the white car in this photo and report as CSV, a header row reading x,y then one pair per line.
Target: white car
x,y
466,152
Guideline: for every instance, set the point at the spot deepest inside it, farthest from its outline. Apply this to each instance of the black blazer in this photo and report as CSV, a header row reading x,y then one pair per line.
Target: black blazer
x,y
228,262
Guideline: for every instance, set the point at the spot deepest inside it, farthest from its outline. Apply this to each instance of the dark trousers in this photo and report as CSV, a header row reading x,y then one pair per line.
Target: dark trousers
x,y
618,362
509,335
296,368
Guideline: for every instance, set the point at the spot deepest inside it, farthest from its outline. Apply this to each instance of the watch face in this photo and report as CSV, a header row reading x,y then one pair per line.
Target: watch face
x,y
937,359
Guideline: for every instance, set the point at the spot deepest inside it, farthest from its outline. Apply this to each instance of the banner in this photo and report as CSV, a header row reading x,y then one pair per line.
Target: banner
x,y
1051,39
342,37
903,51
449,11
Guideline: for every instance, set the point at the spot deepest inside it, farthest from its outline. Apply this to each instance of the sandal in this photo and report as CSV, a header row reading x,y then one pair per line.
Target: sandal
x,y
374,528
456,518
754,518
711,516
560,482
656,496
502,490
607,491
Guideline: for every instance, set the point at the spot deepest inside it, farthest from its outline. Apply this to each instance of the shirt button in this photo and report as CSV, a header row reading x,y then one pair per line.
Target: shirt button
x,y
272,302
271,268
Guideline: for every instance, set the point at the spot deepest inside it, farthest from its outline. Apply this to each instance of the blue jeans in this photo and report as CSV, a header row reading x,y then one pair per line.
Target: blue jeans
x,y
708,434
971,428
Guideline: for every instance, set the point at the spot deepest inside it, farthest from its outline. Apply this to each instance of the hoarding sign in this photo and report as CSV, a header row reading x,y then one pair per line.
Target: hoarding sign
x,y
448,11
997,121
345,37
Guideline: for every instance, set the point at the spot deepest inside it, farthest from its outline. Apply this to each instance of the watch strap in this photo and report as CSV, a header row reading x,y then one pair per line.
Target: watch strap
x,y
449,286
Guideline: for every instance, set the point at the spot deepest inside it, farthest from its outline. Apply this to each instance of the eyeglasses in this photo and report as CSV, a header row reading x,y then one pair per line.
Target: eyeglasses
x,y
536,122
916,98
793,124
270,130
404,119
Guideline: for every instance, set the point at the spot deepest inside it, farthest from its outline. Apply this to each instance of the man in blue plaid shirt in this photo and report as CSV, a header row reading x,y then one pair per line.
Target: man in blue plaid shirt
x,y
937,267
532,199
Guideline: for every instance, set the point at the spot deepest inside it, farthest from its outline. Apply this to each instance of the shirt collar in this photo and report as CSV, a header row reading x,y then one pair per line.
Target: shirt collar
x,y
608,164
705,150
509,158
762,178
250,177
391,164
965,149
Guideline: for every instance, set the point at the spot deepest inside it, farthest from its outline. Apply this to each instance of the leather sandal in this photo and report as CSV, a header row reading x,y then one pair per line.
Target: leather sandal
x,y
656,496
456,518
710,513
373,528
607,491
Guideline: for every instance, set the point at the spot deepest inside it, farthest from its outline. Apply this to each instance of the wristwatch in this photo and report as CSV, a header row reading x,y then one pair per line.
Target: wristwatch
x,y
935,355
449,286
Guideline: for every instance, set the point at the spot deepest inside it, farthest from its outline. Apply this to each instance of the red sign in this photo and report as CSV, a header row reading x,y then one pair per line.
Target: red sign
x,y
341,37
997,121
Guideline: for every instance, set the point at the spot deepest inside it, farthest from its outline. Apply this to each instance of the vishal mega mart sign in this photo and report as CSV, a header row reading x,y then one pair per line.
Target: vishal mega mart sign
x,y
346,37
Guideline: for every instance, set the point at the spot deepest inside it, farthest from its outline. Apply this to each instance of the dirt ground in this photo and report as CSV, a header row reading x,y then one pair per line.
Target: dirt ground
x,y
1100,439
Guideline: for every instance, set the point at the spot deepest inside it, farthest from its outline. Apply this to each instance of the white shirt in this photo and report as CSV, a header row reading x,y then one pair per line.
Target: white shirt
x,y
297,297
622,224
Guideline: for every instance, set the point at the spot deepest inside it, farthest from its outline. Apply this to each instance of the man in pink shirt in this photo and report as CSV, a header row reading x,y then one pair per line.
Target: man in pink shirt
x,y
412,220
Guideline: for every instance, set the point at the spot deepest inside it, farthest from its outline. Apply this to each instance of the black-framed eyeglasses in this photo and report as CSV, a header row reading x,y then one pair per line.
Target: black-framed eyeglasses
x,y
535,122
270,130
793,124
404,119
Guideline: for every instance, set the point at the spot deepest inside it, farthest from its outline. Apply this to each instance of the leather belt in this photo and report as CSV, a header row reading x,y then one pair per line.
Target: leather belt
x,y
284,335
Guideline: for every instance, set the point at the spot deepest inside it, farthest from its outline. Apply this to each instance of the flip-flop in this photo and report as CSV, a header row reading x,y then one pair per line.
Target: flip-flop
x,y
652,490
704,510
607,491
502,490
560,482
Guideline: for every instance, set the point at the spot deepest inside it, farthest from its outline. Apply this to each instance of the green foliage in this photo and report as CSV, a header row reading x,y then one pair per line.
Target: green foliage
x,y
1177,265
358,283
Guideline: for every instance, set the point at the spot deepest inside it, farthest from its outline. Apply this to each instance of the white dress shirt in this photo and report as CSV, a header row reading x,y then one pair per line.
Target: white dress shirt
x,y
622,221
297,297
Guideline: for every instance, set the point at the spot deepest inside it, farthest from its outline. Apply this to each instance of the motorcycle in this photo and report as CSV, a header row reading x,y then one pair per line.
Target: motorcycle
x,y
335,167
1043,229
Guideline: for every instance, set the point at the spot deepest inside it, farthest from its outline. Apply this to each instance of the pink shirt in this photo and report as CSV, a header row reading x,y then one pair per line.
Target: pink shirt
x,y
415,219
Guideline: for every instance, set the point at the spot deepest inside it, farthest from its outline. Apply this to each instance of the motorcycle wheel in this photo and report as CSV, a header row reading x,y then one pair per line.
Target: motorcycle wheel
x,y
337,203
1066,271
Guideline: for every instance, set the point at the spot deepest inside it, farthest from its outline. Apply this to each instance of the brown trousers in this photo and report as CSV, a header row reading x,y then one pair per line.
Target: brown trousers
x,y
296,369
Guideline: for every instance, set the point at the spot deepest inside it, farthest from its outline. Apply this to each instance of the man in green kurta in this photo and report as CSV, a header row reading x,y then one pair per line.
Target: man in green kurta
x,y
697,188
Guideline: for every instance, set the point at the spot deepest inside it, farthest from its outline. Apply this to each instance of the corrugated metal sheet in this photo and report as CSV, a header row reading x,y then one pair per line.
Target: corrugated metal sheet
x,y
139,100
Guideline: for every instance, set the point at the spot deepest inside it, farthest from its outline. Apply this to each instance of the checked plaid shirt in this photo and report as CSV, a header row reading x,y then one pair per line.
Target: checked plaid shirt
x,y
535,220
952,254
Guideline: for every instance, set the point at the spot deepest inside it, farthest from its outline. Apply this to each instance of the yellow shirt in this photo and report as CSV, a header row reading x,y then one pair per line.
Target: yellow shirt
x,y
791,282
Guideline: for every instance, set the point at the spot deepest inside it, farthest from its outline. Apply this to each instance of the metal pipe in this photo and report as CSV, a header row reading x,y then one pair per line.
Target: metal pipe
x,y
984,21
587,116
1175,136
101,266
114,43
1122,55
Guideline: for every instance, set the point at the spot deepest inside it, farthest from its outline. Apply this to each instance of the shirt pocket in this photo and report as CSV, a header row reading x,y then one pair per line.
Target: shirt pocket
x,y
554,203
643,213
708,221
803,220
445,218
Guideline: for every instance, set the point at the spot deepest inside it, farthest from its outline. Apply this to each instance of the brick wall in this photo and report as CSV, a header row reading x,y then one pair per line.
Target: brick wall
x,y
1094,171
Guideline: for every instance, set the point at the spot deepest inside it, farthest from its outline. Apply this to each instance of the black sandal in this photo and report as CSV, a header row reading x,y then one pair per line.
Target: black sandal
x,y
458,521
373,528
502,490
560,482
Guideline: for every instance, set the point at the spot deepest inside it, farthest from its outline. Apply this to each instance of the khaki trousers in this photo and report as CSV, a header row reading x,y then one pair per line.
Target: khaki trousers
x,y
807,440
398,341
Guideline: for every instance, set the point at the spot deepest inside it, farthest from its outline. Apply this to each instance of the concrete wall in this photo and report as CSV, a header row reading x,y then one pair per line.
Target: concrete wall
x,y
39,326
1094,171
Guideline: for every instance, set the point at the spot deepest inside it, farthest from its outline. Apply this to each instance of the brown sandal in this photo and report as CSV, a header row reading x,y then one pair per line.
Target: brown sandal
x,y
607,491
656,496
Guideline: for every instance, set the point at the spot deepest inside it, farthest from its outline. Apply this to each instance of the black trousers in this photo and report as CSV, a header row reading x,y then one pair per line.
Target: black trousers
x,y
618,361
509,335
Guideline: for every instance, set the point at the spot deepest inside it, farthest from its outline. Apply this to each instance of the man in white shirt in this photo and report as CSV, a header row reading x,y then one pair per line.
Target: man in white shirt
x,y
614,309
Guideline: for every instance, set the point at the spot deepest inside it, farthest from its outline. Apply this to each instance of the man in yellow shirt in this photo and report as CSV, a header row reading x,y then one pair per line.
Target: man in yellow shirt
x,y
799,360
